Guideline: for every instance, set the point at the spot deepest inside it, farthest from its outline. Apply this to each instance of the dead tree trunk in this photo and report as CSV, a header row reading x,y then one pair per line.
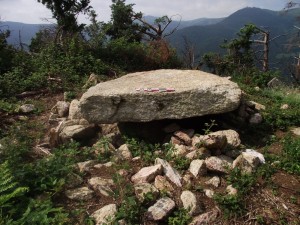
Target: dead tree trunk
x,y
265,42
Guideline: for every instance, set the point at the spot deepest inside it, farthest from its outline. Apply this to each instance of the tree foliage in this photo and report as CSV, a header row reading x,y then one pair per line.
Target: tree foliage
x,y
65,12
122,24
6,52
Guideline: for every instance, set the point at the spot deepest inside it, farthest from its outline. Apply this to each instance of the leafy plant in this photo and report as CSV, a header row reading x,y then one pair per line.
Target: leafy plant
x,y
8,187
130,210
243,182
290,158
180,217
43,212
209,126
274,116
232,205
143,149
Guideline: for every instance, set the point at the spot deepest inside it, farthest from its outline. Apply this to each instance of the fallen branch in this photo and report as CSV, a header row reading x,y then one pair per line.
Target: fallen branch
x,y
30,93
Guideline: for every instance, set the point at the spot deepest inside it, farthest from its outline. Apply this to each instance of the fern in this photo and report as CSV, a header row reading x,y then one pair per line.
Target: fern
x,y
8,188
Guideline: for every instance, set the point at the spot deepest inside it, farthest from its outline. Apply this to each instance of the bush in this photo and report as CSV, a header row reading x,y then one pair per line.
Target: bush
x,y
290,159
135,56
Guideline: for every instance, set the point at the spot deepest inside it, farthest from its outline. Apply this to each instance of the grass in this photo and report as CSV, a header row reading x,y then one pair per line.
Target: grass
x,y
273,99
290,158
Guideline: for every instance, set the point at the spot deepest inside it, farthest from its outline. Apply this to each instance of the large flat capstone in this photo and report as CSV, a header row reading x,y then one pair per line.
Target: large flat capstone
x,y
196,93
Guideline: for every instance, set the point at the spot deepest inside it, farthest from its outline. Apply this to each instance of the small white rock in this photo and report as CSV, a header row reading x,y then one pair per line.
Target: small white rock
x,y
215,181
161,209
189,202
198,167
80,194
105,215
147,174
209,193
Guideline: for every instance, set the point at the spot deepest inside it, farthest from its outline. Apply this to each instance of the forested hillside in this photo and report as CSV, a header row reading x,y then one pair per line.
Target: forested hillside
x,y
209,38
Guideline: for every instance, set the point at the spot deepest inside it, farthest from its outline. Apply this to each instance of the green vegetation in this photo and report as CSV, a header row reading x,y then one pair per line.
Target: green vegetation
x,y
290,158
179,217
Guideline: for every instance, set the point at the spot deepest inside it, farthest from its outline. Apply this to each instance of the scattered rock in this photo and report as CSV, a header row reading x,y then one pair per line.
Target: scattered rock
x,y
179,150
183,137
74,111
209,193
231,190
161,209
248,161
27,108
92,81
80,194
95,182
169,171
296,131
147,174
100,165
109,128
284,106
123,172
103,147
206,218
187,180
144,189
105,215
219,164
232,137
61,108
85,166
163,185
212,141
77,132
189,202
123,153
105,190
255,118
175,141
215,181
207,94
256,106
54,118
198,167
201,153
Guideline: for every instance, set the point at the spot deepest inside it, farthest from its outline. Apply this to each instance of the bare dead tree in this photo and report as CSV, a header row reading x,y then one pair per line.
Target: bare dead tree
x,y
157,31
188,54
264,40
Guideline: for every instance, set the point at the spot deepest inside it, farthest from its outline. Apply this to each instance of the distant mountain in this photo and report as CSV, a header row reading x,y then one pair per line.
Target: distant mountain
x,y
186,23
26,31
208,38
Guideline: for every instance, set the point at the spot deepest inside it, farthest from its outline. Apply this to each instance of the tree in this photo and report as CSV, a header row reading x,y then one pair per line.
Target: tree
x,y
66,12
295,71
7,52
158,30
96,31
122,24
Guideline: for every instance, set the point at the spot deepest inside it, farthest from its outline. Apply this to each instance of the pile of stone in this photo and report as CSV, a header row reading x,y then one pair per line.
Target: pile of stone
x,y
211,156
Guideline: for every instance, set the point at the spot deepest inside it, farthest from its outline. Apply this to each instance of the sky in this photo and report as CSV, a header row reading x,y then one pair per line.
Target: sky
x,y
30,11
